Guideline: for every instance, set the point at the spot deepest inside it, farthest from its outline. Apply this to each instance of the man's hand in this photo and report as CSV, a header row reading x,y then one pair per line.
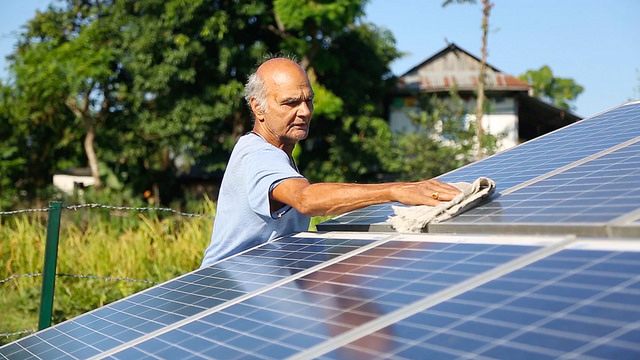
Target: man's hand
x,y
428,192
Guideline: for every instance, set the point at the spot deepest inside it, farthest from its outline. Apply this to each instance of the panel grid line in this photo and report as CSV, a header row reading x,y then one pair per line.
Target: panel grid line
x,y
610,338
432,300
627,218
240,299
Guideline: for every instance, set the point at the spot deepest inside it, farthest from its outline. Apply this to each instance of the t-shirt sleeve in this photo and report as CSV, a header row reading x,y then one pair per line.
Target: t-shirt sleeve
x,y
264,169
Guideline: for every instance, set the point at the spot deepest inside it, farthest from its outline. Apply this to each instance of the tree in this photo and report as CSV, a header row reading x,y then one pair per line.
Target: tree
x,y
148,89
486,9
64,57
558,91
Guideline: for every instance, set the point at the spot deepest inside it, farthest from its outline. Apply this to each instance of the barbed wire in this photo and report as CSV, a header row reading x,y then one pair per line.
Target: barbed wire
x,y
19,276
110,207
17,333
107,278
94,205
14,212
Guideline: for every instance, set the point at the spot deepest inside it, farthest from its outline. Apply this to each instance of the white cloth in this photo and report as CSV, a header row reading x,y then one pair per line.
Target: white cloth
x,y
414,218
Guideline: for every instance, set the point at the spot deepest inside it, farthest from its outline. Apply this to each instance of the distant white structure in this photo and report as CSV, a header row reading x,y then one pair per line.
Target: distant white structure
x,y
513,111
74,178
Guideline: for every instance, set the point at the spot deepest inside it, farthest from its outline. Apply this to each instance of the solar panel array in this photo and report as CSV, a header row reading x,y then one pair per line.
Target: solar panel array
x,y
581,179
565,283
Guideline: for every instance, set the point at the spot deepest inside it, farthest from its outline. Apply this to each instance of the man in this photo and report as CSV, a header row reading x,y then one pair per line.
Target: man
x,y
263,195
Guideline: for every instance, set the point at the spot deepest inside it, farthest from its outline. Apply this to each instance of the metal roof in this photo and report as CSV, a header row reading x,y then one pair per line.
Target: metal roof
x,y
454,65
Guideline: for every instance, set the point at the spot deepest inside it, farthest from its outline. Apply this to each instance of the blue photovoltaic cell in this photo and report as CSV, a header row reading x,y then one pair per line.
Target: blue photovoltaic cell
x,y
292,317
579,304
522,163
593,193
155,308
361,220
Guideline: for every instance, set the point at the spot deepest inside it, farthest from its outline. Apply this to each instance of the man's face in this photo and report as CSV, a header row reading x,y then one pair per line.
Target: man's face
x,y
289,105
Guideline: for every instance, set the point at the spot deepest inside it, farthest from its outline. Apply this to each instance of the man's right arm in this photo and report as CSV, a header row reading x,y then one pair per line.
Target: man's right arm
x,y
338,198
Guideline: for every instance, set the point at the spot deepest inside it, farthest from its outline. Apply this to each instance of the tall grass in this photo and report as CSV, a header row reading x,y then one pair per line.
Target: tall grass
x,y
96,242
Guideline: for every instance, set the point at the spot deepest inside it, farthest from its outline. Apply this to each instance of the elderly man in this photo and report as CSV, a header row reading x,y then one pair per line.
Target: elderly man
x,y
263,195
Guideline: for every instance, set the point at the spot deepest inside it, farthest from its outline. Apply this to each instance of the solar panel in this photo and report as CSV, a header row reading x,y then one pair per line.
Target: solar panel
x,y
289,318
577,303
176,300
583,199
337,288
527,163
371,218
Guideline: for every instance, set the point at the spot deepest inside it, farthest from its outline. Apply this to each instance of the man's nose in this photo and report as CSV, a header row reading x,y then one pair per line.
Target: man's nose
x,y
305,109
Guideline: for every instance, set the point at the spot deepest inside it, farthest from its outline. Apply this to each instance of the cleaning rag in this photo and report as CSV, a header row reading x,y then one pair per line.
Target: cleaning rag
x,y
415,218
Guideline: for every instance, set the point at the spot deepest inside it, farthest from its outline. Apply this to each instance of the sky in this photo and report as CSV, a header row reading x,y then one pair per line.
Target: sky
x,y
594,42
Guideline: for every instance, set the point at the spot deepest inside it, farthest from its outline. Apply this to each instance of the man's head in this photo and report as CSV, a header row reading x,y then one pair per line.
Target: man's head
x,y
280,97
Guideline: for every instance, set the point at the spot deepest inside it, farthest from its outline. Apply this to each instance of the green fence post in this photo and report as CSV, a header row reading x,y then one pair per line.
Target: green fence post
x,y
50,261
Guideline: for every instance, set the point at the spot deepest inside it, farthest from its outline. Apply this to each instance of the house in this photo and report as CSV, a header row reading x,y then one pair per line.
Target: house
x,y
72,179
513,111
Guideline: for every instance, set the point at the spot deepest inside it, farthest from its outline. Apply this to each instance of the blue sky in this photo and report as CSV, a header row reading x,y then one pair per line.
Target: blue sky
x,y
594,42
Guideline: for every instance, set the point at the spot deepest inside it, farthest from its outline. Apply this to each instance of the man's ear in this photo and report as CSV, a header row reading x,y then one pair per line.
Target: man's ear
x,y
257,110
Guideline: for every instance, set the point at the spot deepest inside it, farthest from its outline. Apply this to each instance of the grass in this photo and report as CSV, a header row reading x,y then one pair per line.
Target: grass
x,y
95,242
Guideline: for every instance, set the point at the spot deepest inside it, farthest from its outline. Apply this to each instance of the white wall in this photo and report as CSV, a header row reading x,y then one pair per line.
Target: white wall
x,y
502,121
66,183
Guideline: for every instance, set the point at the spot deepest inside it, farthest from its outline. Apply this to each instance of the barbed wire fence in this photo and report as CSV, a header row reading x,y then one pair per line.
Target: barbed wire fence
x,y
86,276
109,207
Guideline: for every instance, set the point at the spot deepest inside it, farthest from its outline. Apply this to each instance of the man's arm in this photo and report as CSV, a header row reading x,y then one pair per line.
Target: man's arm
x,y
339,198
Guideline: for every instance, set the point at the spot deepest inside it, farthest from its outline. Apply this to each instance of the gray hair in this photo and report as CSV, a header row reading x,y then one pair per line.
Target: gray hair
x,y
256,88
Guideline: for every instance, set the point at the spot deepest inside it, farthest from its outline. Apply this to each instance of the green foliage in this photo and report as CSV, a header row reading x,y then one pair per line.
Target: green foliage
x,y
558,91
162,81
442,140
330,15
159,80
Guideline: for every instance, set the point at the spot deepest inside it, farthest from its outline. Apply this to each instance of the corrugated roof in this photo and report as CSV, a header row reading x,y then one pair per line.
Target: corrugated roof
x,y
454,65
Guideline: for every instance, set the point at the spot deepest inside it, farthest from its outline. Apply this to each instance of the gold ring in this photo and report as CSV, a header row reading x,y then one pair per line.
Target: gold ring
x,y
435,195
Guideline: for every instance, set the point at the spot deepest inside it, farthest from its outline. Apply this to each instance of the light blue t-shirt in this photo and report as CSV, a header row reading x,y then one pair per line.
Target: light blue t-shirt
x,y
243,215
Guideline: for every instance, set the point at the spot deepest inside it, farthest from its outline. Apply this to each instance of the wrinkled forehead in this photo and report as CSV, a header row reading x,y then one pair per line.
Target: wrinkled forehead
x,y
290,82
288,86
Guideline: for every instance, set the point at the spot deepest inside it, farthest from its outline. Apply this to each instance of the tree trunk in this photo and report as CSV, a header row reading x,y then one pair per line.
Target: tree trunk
x,y
82,113
89,149
482,77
